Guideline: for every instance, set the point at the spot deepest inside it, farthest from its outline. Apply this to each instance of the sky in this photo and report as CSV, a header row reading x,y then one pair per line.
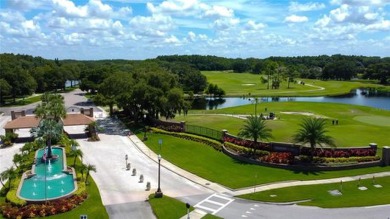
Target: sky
x,y
141,29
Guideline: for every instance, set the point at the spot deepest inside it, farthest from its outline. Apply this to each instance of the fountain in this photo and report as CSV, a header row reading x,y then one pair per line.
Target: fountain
x,y
49,179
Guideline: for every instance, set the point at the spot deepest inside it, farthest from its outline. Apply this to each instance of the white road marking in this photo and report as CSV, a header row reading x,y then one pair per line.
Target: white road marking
x,y
225,201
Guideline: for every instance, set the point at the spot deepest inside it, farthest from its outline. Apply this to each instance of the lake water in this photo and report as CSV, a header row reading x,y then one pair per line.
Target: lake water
x,y
357,97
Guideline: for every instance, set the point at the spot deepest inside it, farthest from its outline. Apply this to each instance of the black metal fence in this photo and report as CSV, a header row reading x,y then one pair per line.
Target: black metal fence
x,y
203,131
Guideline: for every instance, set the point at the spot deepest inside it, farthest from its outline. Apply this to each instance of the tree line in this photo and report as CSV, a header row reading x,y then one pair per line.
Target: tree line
x,y
156,86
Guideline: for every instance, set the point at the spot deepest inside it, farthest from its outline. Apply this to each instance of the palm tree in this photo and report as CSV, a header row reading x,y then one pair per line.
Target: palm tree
x,y
76,153
255,128
9,174
89,168
52,107
49,130
50,111
82,168
313,132
18,159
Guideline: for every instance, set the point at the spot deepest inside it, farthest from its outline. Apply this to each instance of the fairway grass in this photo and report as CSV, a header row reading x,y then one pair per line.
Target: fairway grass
x,y
374,120
206,162
239,84
356,124
319,195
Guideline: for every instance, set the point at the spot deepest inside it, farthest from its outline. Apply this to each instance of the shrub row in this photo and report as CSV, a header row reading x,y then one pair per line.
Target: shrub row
x,y
324,160
213,143
244,150
42,210
247,143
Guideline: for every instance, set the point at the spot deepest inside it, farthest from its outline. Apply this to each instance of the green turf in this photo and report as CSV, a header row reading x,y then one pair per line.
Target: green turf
x,y
318,195
374,120
167,207
355,127
217,167
239,84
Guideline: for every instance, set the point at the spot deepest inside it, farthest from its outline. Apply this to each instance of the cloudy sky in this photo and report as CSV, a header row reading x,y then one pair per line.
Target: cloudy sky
x,y
139,29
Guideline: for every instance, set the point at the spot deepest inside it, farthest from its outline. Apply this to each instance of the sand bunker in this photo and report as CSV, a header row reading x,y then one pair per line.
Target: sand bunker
x,y
248,84
305,114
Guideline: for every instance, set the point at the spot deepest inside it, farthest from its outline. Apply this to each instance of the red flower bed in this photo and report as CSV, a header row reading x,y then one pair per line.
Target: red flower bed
x,y
347,152
42,210
279,158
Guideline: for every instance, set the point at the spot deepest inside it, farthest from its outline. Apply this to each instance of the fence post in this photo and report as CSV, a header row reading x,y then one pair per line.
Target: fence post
x,y
224,132
386,156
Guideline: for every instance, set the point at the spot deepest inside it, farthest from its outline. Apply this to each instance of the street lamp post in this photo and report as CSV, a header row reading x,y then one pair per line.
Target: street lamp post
x,y
145,136
188,210
159,193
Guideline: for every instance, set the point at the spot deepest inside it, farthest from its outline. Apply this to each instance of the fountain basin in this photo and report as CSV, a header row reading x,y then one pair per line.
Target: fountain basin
x,y
49,179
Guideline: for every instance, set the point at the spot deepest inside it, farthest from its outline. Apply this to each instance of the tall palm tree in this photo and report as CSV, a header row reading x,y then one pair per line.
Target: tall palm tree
x,y
18,159
52,107
313,131
255,128
76,153
82,167
49,130
51,111
9,174
89,168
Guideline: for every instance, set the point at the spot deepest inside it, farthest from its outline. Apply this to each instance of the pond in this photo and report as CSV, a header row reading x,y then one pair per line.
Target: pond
x,y
362,97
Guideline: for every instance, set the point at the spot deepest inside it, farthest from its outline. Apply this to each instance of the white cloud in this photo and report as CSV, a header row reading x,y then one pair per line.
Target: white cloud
x,y
296,19
172,40
191,36
218,11
310,6
156,25
225,23
67,8
252,25
360,2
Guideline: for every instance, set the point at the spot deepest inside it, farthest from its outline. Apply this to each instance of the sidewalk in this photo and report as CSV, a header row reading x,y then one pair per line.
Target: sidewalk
x,y
258,188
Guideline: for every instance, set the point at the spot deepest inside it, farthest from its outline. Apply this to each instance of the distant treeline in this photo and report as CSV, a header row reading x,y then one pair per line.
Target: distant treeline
x,y
22,75
337,67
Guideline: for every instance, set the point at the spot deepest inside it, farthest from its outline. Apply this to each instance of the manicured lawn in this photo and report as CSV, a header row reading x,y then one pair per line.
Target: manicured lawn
x,y
217,167
355,127
167,207
239,84
319,194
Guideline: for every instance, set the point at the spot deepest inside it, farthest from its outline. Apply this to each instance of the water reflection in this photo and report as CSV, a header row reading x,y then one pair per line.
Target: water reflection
x,y
364,97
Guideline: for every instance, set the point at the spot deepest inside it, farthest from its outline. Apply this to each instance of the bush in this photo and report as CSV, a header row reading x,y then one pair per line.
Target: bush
x,y
213,143
8,139
247,143
43,210
244,150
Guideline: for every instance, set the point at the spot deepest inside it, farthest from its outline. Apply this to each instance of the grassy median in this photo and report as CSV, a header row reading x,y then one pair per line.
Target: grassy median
x,y
321,196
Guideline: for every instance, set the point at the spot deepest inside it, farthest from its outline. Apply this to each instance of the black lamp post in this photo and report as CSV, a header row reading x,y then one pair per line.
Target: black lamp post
x,y
188,210
145,129
158,193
